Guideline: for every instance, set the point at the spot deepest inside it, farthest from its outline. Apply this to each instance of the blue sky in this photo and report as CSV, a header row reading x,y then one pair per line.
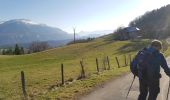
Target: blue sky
x,y
85,15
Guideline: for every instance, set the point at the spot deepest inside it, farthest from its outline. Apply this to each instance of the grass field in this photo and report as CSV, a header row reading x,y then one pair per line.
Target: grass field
x,y
42,70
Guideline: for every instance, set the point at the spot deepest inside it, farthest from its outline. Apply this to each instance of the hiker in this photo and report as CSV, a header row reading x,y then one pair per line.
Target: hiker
x,y
147,68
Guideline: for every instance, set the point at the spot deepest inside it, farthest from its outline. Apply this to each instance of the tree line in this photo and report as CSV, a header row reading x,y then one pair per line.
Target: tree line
x,y
35,46
154,24
13,51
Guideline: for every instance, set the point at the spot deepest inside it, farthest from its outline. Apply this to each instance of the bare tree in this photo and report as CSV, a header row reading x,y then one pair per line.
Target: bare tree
x,y
37,46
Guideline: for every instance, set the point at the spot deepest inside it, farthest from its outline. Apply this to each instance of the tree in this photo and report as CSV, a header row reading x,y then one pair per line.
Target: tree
x,y
154,24
22,50
37,46
3,52
17,50
13,51
118,33
9,51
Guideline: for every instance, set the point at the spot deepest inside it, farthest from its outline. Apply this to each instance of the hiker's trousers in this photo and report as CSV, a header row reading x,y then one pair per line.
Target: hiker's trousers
x,y
152,87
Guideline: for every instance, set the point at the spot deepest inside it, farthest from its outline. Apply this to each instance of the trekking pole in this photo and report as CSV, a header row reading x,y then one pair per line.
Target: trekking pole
x,y
168,90
130,86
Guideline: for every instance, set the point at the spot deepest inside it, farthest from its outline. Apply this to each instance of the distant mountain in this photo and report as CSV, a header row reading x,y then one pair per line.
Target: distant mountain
x,y
26,31
154,24
94,34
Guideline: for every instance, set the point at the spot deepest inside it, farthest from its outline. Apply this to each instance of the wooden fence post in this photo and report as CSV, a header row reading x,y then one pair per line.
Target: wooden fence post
x,y
23,84
82,70
117,62
125,60
108,62
97,65
130,58
62,74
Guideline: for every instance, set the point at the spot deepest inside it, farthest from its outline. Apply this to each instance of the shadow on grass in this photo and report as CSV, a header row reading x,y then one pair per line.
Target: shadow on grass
x,y
132,46
108,39
106,42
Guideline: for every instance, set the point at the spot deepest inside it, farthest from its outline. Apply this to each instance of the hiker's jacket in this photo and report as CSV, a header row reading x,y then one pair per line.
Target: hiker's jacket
x,y
153,71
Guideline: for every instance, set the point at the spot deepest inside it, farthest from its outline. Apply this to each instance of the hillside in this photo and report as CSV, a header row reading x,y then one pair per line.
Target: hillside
x,y
25,31
42,69
154,24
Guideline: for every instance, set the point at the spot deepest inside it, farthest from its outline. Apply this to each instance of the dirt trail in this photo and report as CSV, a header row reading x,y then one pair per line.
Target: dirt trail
x,y
118,88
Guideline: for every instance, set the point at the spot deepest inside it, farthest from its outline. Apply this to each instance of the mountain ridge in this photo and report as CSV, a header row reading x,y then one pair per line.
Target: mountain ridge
x,y
25,31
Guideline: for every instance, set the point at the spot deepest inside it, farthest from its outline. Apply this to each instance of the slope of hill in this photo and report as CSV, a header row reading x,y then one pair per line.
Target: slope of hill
x,y
26,31
154,24
42,70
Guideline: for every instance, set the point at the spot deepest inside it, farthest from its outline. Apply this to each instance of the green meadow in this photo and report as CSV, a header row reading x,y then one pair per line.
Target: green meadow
x,y
42,70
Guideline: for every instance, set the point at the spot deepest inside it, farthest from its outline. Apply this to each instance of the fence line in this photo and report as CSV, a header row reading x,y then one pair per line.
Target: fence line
x,y
105,62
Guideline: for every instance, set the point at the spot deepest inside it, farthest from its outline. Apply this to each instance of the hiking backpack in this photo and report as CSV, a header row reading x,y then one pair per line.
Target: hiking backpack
x,y
140,64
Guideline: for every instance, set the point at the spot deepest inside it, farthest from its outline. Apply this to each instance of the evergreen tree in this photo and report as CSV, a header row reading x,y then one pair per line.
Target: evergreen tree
x,y
10,51
17,50
22,50
3,52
